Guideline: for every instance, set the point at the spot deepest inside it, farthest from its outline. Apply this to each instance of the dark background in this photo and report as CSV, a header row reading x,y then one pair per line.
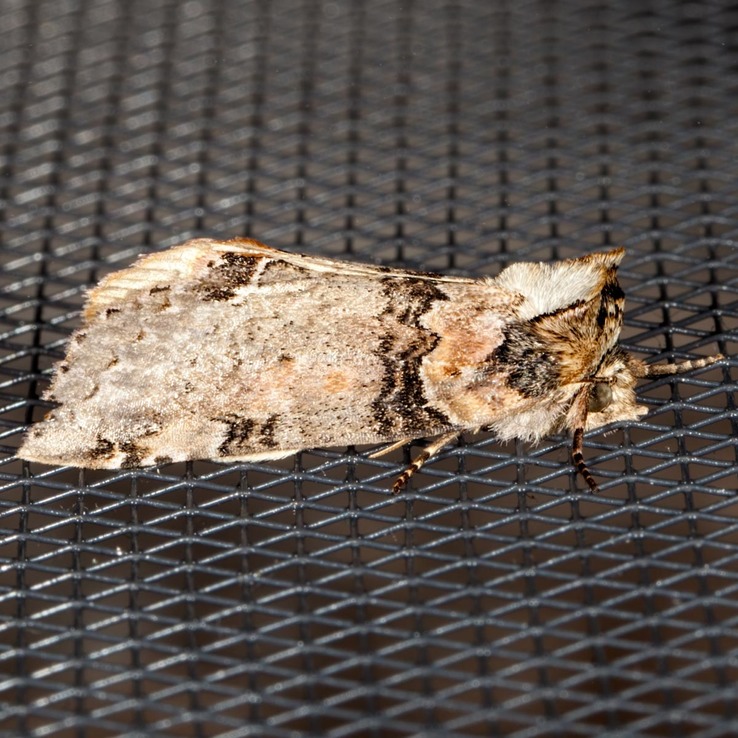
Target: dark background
x,y
496,597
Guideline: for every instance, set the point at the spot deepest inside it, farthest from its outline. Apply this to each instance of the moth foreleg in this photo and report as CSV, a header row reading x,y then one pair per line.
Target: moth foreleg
x,y
428,452
577,457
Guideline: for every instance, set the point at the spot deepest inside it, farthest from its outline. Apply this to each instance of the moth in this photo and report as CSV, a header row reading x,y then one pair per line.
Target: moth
x,y
235,351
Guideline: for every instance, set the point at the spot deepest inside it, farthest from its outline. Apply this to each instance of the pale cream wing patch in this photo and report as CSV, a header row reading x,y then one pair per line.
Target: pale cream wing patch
x,y
187,262
334,266
158,271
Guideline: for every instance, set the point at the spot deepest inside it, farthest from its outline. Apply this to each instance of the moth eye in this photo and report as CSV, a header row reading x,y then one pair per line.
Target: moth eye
x,y
600,396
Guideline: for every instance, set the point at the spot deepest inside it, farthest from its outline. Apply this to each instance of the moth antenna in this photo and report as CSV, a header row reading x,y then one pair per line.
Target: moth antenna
x,y
681,367
577,457
428,452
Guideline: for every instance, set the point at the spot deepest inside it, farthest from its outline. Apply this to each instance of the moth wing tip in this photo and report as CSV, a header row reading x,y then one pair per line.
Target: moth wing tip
x,y
611,258
243,244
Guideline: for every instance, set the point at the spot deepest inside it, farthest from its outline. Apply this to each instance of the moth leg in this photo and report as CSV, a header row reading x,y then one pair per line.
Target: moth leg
x,y
577,421
577,457
429,451
389,449
665,370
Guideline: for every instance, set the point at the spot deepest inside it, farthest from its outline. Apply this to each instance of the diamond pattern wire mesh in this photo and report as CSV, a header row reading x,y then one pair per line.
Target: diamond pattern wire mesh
x,y
495,597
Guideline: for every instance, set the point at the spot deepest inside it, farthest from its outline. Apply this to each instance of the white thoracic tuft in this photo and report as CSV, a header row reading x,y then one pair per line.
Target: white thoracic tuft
x,y
549,287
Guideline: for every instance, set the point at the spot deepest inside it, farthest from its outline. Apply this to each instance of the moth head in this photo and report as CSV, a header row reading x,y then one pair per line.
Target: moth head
x,y
609,397
610,394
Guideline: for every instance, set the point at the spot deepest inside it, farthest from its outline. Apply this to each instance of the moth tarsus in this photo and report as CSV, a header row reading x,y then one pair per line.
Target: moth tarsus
x,y
577,456
431,449
234,351
401,482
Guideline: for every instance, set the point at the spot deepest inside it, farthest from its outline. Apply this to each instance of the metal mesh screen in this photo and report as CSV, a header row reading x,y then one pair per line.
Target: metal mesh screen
x,y
496,597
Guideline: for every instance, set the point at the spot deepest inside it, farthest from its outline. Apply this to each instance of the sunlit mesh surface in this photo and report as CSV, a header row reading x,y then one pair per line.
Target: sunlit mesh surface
x,y
494,598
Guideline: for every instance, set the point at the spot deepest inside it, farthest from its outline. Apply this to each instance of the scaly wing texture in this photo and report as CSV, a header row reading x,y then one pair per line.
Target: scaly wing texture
x,y
233,350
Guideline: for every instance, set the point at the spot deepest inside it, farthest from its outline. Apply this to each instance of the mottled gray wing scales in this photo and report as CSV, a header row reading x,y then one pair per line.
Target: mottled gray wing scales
x,y
233,350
